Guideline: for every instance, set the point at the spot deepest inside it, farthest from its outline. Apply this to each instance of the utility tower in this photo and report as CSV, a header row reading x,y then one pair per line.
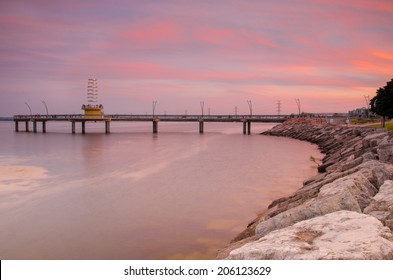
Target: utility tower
x,y
279,107
367,99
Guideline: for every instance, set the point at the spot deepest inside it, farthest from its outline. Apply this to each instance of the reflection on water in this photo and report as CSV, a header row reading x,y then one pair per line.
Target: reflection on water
x,y
135,195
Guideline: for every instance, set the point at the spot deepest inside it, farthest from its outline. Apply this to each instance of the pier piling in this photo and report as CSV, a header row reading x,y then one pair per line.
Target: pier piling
x,y
155,126
83,127
107,127
201,126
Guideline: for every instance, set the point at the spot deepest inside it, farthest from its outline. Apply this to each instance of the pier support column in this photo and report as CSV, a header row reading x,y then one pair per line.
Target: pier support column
x,y
244,128
83,127
44,127
155,126
73,127
35,126
27,126
249,127
107,127
201,126
16,126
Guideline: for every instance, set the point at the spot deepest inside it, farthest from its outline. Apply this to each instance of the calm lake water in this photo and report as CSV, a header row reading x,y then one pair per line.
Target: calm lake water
x,y
134,195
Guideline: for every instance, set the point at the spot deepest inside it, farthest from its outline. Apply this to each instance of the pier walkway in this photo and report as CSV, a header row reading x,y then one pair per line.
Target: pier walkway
x,y
154,119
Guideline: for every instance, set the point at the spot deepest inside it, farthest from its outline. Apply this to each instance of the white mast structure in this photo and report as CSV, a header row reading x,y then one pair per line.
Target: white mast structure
x,y
92,109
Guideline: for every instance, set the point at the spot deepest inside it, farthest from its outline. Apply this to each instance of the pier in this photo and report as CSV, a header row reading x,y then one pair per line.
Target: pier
x,y
74,119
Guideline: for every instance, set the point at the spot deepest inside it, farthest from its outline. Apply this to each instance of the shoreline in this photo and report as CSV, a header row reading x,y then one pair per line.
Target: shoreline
x,y
344,212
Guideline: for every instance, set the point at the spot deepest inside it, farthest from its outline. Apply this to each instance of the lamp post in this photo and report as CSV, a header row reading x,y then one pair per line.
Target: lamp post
x,y
29,108
154,107
46,107
249,102
202,106
298,105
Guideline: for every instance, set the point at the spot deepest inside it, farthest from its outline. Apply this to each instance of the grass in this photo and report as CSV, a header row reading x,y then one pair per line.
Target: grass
x,y
364,121
388,126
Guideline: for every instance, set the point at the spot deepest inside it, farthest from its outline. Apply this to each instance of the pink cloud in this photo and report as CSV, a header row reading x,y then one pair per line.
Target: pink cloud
x,y
153,33
221,37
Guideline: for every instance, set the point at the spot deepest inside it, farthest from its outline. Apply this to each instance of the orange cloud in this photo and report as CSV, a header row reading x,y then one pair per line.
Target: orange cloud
x,y
382,54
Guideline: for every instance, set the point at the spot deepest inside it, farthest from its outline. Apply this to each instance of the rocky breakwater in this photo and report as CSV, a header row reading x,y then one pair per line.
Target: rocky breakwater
x,y
345,212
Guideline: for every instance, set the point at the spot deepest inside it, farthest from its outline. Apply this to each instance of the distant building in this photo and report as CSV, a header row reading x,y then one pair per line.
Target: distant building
x,y
361,113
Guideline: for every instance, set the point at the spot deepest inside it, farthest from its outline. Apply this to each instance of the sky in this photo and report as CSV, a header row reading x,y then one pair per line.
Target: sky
x,y
329,54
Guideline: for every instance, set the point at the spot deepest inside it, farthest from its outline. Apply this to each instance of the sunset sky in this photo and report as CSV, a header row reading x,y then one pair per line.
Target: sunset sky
x,y
327,53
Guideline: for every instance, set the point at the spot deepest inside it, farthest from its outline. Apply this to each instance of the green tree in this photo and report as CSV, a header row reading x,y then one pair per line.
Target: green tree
x,y
382,103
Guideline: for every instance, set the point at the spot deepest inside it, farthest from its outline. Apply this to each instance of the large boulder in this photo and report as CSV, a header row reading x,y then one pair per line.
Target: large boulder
x,y
375,171
356,184
338,235
310,209
381,206
367,141
385,152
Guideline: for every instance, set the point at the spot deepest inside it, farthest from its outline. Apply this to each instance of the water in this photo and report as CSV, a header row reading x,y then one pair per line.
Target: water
x,y
135,195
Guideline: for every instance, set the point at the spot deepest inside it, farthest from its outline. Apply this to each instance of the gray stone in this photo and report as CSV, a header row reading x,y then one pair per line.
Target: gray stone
x,y
351,164
375,171
385,152
310,209
338,235
356,184
375,136
381,206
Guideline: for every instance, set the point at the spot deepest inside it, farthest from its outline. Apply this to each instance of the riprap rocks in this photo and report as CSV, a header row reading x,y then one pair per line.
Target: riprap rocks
x,y
344,212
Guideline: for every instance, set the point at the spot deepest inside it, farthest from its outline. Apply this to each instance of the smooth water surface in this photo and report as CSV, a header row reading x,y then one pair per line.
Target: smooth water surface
x,y
177,194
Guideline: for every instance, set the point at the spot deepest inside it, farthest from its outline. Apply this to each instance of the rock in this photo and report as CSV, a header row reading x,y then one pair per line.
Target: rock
x,y
385,152
351,164
335,236
375,171
369,156
381,206
356,184
323,219
308,210
375,136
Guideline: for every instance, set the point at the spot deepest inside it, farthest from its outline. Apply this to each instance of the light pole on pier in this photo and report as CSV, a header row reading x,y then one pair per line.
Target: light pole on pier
x,y
46,107
154,107
298,105
29,108
249,102
202,106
